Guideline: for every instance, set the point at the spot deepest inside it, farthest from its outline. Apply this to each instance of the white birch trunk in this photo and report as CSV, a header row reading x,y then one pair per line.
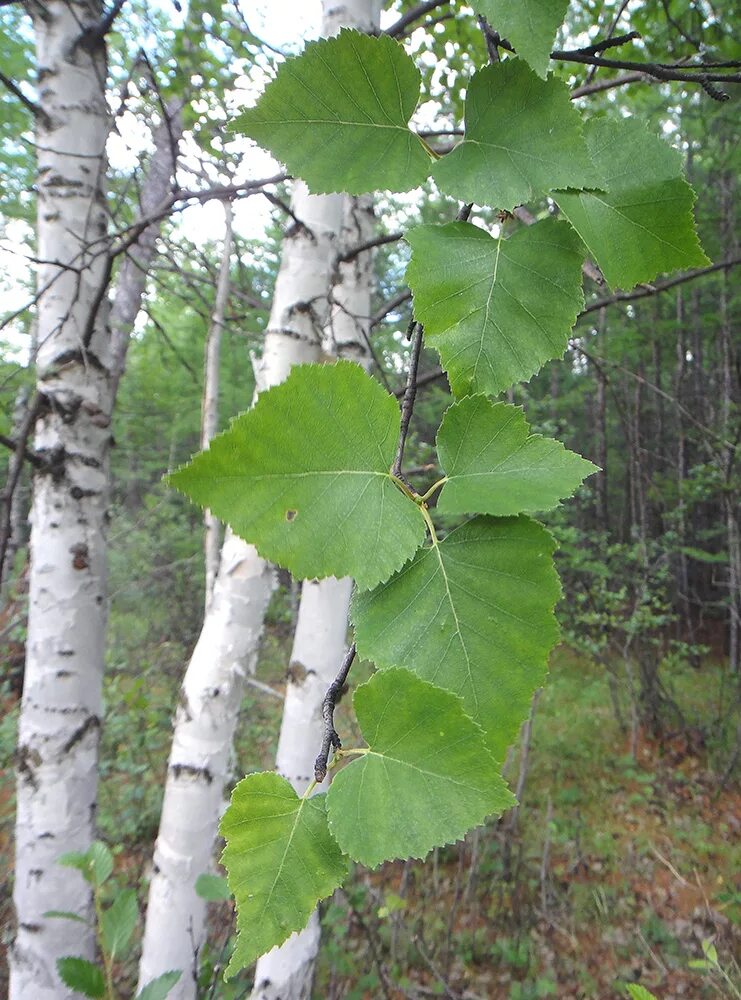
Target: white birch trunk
x,y
227,647
61,707
210,410
286,972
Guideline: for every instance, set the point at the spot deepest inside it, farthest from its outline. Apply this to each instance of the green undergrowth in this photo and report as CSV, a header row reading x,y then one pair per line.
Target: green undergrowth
x,y
618,868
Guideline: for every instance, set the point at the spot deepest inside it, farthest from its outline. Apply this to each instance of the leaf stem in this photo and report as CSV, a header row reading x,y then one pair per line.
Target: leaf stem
x,y
428,149
312,785
435,486
430,525
405,488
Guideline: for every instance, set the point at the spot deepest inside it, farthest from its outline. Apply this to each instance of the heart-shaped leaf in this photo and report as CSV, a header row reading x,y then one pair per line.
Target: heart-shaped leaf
x,y
523,138
280,860
425,780
337,116
305,477
641,224
474,614
495,309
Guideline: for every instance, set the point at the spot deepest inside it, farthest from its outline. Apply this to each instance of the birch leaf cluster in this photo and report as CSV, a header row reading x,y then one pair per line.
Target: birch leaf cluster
x,y
459,625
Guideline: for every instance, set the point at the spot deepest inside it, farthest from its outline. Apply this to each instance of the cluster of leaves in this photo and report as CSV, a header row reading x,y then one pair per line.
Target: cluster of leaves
x,y
114,926
460,627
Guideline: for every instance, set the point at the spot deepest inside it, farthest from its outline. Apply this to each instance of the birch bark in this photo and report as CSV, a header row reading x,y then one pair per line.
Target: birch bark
x,y
61,708
227,647
210,409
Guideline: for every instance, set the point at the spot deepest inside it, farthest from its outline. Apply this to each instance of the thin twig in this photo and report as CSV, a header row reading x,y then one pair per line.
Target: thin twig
x,y
617,81
410,392
330,739
695,75
35,109
407,403
14,474
377,241
36,461
398,27
646,290
609,43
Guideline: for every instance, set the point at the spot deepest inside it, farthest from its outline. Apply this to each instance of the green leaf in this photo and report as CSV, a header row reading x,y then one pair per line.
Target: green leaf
x,y
474,614
523,138
495,309
637,992
81,976
494,466
305,477
337,116
425,780
643,225
280,860
159,988
118,922
529,25
212,888
96,863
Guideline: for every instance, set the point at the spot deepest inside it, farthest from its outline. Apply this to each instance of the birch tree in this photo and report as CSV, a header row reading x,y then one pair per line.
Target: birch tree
x,y
82,348
61,710
227,647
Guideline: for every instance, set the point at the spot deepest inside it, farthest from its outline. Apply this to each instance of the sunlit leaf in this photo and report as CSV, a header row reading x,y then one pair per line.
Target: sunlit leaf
x,y
495,466
304,476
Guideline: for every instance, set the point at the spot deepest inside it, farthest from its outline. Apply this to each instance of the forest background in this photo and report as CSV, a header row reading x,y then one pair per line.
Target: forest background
x,y
619,865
